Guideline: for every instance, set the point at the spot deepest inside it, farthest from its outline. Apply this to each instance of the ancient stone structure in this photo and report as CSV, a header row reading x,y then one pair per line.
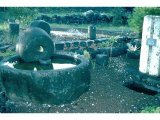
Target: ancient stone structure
x,y
150,49
34,44
92,32
41,24
46,86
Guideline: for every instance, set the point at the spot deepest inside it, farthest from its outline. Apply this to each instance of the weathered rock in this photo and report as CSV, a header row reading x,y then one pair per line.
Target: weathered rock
x,y
41,24
46,86
83,44
112,51
46,18
12,48
92,32
3,99
34,44
45,62
145,81
76,43
88,13
4,48
92,52
97,41
135,42
1,58
149,57
13,28
103,51
133,54
124,39
79,51
102,59
68,44
74,50
59,46
90,42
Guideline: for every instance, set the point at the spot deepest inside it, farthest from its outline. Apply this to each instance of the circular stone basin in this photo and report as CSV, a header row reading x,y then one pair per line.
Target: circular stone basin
x,y
62,81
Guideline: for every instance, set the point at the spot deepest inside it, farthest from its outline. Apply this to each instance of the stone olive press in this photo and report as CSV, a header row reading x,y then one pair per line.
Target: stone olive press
x,y
33,74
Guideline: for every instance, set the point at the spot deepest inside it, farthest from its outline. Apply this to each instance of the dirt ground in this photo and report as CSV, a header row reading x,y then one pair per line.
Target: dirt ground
x,y
107,94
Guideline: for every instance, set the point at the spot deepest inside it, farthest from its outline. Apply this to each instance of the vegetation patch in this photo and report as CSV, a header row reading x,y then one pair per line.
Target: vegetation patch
x,y
8,53
151,109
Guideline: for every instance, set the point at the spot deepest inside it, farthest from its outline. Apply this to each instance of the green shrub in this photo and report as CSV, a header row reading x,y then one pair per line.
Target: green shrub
x,y
136,19
108,43
151,109
22,14
120,16
8,53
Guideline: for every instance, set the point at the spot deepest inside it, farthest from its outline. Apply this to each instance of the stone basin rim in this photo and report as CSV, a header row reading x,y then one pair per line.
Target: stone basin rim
x,y
54,87
80,60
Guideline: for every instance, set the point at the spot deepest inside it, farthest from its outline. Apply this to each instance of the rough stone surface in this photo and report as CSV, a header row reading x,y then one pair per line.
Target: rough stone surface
x,y
106,93
112,52
149,56
124,39
102,59
41,24
133,54
4,48
1,57
88,13
92,32
59,46
97,41
92,52
76,43
83,44
68,44
14,28
146,81
47,86
3,99
31,41
89,42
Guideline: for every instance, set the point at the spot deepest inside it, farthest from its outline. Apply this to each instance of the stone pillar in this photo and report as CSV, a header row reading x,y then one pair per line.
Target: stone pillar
x,y
92,32
150,48
13,31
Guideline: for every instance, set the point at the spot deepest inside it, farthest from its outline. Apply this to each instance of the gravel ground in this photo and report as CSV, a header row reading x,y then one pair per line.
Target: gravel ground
x,y
107,94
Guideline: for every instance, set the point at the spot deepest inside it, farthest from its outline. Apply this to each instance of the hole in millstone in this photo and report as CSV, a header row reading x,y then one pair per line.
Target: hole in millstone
x,y
41,49
139,88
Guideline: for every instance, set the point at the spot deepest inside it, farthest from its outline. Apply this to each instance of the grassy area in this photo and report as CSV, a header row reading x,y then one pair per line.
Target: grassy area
x,y
100,26
59,13
8,53
4,26
151,109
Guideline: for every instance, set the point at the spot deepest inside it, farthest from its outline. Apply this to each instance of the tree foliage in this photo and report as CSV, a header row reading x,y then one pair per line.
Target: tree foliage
x,y
120,15
136,19
22,14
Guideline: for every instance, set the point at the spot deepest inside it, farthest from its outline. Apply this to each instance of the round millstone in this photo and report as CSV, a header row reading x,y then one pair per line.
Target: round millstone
x,y
41,24
34,44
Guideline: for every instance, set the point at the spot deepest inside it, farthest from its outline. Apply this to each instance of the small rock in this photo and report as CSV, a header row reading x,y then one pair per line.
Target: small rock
x,y
59,46
102,59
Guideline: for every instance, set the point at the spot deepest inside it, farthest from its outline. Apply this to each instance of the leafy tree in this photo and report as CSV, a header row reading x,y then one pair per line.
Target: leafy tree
x,y
23,14
120,16
136,19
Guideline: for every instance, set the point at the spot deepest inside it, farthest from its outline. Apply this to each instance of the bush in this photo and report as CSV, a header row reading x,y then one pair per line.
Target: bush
x,y
22,14
120,16
136,19
151,109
